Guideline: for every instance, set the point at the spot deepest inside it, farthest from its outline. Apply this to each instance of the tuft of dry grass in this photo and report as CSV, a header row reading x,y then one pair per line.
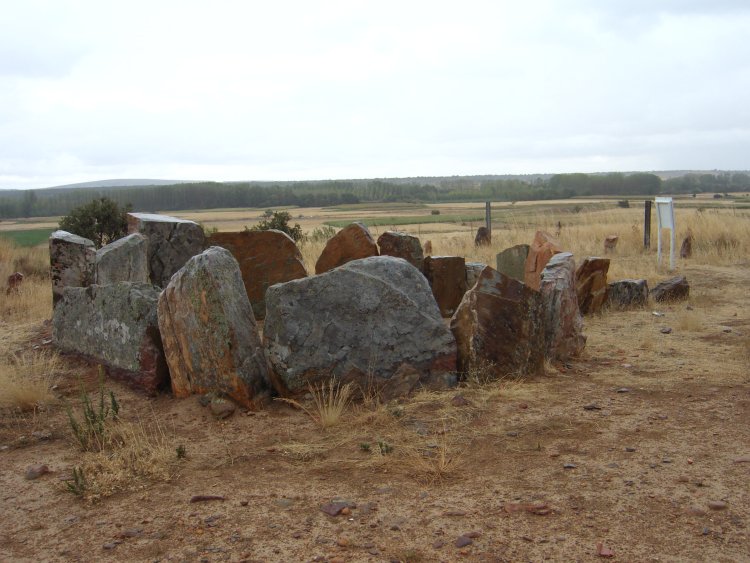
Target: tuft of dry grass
x,y
26,380
329,402
689,320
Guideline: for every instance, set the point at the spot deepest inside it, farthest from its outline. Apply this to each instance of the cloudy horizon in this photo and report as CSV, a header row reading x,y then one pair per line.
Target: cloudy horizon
x,y
326,90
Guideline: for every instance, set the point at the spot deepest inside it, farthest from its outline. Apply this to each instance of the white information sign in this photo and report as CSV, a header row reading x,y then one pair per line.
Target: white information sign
x,y
665,219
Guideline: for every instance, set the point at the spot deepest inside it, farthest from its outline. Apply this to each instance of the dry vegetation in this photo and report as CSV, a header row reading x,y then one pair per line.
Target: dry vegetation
x,y
625,446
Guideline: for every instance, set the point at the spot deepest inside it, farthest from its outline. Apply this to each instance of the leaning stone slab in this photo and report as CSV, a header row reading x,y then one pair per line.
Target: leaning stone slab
x,y
563,323
125,259
117,326
499,327
673,289
210,337
402,245
627,294
591,284
265,258
361,323
171,243
512,261
72,262
350,243
447,277
544,247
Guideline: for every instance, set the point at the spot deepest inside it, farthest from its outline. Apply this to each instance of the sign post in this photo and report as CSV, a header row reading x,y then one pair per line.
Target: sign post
x,y
665,218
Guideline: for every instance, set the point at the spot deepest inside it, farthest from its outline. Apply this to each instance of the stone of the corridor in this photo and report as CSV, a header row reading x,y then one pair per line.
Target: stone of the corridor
x,y
512,261
544,247
350,243
563,323
72,262
358,323
125,259
686,249
171,243
483,237
447,277
591,284
117,326
402,245
500,325
610,243
210,337
473,270
673,289
265,258
627,294
428,248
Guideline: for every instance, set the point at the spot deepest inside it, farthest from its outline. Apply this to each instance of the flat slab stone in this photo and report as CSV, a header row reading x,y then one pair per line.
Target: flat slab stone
x,y
72,262
350,243
512,261
125,259
544,247
591,284
402,245
447,277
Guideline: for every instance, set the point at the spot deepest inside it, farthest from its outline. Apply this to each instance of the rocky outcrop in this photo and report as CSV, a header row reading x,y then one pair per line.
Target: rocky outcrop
x,y
473,270
447,277
117,326
350,243
499,326
171,243
541,250
72,262
402,245
265,258
210,337
627,294
673,289
512,261
591,284
365,322
563,324
125,259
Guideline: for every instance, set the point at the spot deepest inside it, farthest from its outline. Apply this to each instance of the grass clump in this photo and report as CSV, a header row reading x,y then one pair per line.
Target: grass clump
x,y
93,431
329,403
26,380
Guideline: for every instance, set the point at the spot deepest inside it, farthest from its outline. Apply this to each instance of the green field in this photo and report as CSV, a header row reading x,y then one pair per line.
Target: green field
x,y
28,237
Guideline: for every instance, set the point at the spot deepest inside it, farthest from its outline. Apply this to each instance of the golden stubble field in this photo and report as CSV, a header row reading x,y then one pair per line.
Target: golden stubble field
x,y
641,445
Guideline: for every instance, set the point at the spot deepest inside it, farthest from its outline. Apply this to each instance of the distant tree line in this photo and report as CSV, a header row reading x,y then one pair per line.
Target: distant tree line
x,y
212,195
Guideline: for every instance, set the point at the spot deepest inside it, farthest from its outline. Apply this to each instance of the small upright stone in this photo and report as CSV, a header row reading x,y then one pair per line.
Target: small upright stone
x,y
447,277
171,243
512,261
483,238
402,245
473,271
541,250
627,294
350,243
72,262
591,284
125,259
673,289
428,248
686,250
610,243
563,324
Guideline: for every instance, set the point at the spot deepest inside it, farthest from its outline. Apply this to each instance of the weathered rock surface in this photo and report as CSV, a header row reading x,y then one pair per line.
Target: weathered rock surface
x,y
125,259
360,322
350,243
402,245
626,294
483,237
473,270
117,326
210,337
72,262
171,243
686,249
447,277
499,325
512,261
265,258
673,289
591,284
563,323
544,247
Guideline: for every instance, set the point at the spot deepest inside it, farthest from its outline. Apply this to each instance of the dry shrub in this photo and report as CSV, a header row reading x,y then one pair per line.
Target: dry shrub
x,y
329,402
689,320
435,462
26,380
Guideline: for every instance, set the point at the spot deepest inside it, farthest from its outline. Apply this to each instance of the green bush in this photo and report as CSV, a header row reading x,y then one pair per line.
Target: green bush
x,y
280,222
101,221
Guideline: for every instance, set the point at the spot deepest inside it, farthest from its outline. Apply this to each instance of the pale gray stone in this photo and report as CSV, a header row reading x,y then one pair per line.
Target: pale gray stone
x,y
125,259
512,261
473,270
72,262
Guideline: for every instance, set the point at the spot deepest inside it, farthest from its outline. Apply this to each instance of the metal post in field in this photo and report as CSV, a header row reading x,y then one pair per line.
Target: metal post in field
x,y
647,225
488,218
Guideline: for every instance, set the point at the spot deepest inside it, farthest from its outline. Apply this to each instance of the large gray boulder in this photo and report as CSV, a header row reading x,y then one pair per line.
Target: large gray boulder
x,y
367,322
72,262
171,243
563,323
210,337
673,289
125,259
117,326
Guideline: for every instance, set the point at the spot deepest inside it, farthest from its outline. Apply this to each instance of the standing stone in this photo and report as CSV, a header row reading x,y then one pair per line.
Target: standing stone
x,y
610,243
627,294
512,261
117,326
171,243
591,284
499,325
686,250
265,258
541,250
428,248
402,245
447,277
350,243
210,337
361,323
72,262
563,324
673,289
483,237
125,259
473,270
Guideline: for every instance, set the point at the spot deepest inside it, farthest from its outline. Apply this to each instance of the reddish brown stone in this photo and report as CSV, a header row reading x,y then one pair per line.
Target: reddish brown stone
x,y
483,238
610,243
14,283
541,250
447,277
350,243
428,248
402,245
591,284
265,258
686,250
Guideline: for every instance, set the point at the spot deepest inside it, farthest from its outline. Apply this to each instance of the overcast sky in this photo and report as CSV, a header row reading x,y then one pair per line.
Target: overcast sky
x,y
311,89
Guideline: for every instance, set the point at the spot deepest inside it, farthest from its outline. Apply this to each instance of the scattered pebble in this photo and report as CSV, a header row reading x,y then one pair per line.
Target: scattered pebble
x,y
460,401
222,408
569,466
437,544
592,407
657,314
463,541
743,459
623,390
630,450
717,505
334,508
35,471
204,498
666,330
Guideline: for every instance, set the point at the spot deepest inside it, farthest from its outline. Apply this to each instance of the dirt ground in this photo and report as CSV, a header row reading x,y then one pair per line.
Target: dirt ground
x,y
642,446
